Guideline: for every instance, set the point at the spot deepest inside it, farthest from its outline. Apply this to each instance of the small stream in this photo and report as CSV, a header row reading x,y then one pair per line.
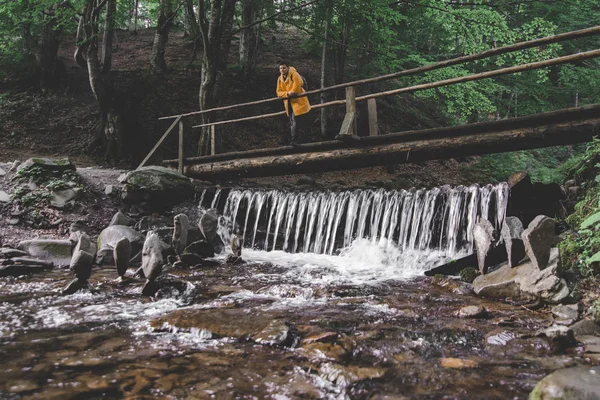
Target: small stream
x,y
352,317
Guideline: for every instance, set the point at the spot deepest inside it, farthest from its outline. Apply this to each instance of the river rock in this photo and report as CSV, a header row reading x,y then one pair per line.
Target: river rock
x,y
75,285
4,197
190,259
21,269
122,255
524,282
160,187
565,314
511,232
201,248
152,256
276,333
236,245
81,264
109,237
472,312
208,224
56,250
121,219
2,172
585,327
483,235
538,238
151,222
560,334
582,383
8,252
84,243
181,224
64,198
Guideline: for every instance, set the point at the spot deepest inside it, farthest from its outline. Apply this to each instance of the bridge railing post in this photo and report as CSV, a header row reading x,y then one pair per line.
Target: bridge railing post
x,y
372,111
213,146
182,129
348,129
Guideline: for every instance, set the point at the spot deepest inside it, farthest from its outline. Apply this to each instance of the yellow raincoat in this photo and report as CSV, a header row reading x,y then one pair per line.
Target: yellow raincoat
x,y
293,83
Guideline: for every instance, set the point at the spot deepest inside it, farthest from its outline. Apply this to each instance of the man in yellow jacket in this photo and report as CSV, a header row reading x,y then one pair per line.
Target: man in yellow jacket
x,y
289,85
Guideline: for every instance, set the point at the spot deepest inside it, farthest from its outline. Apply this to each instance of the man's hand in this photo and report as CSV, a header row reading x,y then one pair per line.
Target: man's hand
x,y
291,93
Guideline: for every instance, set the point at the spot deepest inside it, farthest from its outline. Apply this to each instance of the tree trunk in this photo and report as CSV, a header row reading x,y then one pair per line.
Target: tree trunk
x,y
249,37
109,33
325,110
192,30
226,33
403,152
165,21
47,53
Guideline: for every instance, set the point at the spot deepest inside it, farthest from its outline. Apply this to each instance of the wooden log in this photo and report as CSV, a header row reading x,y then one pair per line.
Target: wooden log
x,y
181,135
213,147
396,153
372,112
548,118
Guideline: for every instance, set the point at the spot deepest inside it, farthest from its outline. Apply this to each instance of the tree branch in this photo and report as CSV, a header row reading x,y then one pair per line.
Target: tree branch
x,y
274,15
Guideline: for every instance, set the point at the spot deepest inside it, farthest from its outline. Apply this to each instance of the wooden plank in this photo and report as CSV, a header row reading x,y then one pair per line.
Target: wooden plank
x,y
372,111
213,146
397,153
348,129
162,139
181,134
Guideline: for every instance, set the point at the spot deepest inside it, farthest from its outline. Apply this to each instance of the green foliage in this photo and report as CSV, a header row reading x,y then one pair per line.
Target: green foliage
x,y
468,274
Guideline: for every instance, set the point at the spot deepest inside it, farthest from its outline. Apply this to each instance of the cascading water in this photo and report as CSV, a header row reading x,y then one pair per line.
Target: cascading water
x,y
439,219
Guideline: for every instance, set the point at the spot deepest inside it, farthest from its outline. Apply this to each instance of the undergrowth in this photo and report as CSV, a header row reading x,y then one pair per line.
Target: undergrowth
x,y
580,249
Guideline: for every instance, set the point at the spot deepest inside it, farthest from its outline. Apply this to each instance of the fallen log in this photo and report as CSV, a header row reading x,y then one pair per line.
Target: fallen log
x,y
396,153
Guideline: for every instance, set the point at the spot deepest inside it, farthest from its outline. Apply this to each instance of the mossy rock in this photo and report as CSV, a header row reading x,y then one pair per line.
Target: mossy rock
x,y
159,187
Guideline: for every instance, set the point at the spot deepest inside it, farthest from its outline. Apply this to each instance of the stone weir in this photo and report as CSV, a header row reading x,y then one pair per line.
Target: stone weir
x,y
324,222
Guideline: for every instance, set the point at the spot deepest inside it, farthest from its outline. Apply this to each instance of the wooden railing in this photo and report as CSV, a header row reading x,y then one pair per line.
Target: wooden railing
x,y
348,128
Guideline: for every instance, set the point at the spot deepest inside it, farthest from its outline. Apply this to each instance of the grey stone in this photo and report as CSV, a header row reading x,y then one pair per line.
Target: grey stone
x,y
472,312
2,172
209,223
4,197
524,282
483,232
13,221
236,245
75,285
14,165
591,344
181,225
151,223
110,236
152,256
581,383
159,187
201,248
538,238
585,327
84,243
62,198
21,269
122,255
565,314
55,250
511,232
121,219
277,332
111,190
8,252
81,264
59,164
190,259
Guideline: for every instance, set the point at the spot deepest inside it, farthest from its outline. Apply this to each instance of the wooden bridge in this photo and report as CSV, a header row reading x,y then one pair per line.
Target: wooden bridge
x,y
350,150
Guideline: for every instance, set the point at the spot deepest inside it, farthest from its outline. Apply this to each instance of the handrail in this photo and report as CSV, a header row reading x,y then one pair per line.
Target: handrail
x,y
431,85
442,64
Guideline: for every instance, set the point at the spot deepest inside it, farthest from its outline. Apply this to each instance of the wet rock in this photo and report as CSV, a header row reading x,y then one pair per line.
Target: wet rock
x,y
55,250
4,197
21,386
560,334
121,219
111,190
538,238
234,260
468,274
181,224
122,255
151,222
47,164
585,327
345,375
152,257
8,252
512,230
483,235
84,243
208,224
13,221
457,363
77,226
565,314
236,245
276,333
2,172
150,288
472,312
32,261
591,344
81,264
160,187
569,383
452,285
75,285
21,269
524,282
109,237
190,259
201,248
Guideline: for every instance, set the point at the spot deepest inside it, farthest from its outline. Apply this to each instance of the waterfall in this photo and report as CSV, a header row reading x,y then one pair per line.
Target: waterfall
x,y
324,222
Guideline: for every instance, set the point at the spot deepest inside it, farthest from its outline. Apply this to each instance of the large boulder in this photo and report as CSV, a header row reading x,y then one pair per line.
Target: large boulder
x,y
538,238
483,235
159,187
582,383
524,282
110,236
55,250
208,224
